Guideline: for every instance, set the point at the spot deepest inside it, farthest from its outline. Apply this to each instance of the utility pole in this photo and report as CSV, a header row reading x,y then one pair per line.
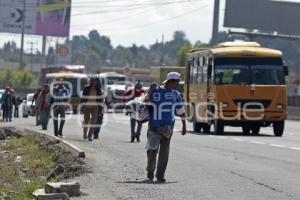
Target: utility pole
x,y
163,50
44,44
31,54
215,30
22,36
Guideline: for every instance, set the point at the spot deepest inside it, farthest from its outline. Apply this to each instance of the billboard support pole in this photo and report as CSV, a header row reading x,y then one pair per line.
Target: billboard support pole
x,y
44,43
44,46
215,30
21,64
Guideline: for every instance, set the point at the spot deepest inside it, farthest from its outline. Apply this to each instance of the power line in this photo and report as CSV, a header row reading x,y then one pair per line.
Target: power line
x,y
158,22
117,19
134,7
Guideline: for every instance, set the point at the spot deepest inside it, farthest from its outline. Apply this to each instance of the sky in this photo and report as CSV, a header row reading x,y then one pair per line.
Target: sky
x,y
136,21
145,21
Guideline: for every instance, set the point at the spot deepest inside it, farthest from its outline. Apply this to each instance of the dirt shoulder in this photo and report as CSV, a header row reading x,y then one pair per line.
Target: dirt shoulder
x,y
26,164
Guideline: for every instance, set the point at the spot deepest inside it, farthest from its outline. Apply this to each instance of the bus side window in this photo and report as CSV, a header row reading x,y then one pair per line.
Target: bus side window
x,y
209,71
194,71
197,68
191,70
200,67
204,65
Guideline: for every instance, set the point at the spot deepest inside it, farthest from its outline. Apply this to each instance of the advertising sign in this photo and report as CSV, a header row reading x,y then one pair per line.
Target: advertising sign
x,y
63,54
265,15
42,17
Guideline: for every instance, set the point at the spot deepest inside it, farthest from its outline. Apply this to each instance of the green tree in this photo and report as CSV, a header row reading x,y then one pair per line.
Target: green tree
x,y
181,55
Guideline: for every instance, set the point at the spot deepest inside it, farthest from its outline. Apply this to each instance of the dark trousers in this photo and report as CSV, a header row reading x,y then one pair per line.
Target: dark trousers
x,y
16,111
7,113
45,114
97,129
135,133
163,158
58,112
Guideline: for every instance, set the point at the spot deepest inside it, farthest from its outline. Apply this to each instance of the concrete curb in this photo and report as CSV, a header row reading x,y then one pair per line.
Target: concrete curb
x,y
43,136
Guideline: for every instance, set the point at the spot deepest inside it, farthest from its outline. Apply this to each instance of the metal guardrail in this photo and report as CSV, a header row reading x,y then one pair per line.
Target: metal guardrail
x,y
294,113
294,101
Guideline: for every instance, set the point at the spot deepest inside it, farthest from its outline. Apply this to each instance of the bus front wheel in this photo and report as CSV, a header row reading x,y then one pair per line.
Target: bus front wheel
x,y
278,128
218,127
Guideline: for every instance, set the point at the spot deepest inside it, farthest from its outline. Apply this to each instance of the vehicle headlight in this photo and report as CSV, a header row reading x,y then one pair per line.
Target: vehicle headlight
x,y
224,105
279,106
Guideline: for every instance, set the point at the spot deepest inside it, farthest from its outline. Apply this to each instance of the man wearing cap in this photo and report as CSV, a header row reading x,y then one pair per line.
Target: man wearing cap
x,y
166,102
60,96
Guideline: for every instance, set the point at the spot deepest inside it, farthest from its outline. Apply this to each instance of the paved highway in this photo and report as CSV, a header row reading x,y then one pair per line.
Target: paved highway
x,y
228,167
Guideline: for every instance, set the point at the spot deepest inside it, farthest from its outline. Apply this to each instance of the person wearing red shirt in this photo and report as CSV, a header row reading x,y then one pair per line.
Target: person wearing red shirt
x,y
129,95
43,105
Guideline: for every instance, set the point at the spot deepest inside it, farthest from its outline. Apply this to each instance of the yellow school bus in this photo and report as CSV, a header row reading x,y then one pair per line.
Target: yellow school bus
x,y
236,84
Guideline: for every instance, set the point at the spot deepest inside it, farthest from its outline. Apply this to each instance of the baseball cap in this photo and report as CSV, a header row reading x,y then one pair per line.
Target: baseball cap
x,y
172,76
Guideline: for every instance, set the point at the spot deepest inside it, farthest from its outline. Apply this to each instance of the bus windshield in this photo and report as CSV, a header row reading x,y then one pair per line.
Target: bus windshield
x,y
115,80
246,73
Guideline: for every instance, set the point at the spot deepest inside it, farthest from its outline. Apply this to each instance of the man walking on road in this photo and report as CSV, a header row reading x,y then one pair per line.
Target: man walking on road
x,y
60,95
166,102
7,104
91,99
36,109
43,106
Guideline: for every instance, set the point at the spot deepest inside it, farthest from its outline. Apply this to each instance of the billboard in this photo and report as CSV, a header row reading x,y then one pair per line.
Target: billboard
x,y
63,54
264,15
42,17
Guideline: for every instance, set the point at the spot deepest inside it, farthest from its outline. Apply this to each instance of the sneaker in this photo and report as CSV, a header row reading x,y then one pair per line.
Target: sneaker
x,y
132,140
61,136
90,139
161,180
85,137
96,137
150,175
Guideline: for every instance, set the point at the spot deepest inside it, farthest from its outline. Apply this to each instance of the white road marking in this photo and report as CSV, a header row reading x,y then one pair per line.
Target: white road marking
x,y
222,137
278,145
257,142
237,139
295,148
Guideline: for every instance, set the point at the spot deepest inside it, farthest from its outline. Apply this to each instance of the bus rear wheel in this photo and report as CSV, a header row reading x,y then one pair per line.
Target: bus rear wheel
x,y
219,127
246,129
255,130
278,128
197,127
206,128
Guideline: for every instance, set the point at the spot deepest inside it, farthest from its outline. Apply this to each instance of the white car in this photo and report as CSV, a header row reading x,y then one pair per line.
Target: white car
x,y
27,108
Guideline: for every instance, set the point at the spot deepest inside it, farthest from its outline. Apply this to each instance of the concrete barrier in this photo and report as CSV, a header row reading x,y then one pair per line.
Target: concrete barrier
x,y
42,137
294,113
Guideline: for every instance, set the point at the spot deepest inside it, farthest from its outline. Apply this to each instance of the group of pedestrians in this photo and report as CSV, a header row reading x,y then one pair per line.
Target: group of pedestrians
x,y
10,104
57,99
54,99
164,102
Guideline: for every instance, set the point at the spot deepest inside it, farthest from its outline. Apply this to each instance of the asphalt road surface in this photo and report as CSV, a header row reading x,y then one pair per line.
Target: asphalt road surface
x,y
206,167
